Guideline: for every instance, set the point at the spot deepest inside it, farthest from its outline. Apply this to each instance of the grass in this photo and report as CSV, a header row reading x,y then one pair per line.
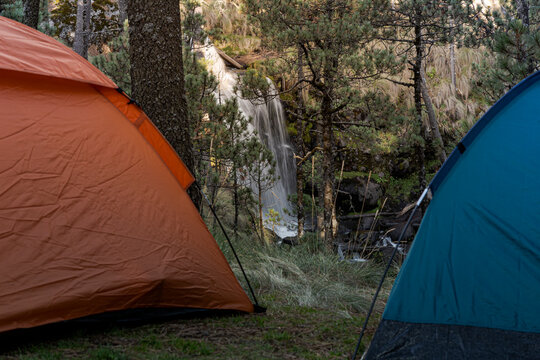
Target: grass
x,y
316,307
284,332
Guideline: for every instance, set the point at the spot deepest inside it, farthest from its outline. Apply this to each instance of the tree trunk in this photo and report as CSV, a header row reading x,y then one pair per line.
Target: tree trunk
x,y
452,52
417,66
82,31
328,173
122,11
522,7
157,74
300,148
320,187
31,13
439,144
235,200
453,67
261,225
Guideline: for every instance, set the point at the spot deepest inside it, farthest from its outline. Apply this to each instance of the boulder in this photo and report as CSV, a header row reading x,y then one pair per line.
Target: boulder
x,y
351,195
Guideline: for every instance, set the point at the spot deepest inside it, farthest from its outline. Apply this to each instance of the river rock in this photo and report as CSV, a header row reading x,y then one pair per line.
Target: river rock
x,y
351,195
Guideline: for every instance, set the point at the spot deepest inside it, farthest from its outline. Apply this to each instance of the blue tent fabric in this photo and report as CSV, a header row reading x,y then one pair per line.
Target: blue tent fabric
x,y
475,262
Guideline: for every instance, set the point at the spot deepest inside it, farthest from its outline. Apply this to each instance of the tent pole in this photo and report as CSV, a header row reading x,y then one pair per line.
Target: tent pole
x,y
257,307
386,271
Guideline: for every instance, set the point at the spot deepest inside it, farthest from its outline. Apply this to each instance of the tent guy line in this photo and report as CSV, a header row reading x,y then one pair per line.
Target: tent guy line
x,y
258,308
383,277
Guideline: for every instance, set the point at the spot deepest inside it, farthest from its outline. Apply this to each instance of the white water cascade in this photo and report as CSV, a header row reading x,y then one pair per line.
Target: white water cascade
x,y
268,120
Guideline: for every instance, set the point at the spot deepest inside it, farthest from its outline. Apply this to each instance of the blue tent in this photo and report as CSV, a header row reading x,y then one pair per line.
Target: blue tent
x,y
470,286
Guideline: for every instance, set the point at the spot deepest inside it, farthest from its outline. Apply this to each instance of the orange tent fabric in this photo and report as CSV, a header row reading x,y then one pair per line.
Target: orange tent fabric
x,y
94,216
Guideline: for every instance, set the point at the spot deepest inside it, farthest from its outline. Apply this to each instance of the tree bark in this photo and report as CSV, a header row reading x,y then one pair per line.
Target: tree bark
x,y
417,66
522,7
452,54
82,31
434,124
328,173
300,147
236,202
157,74
31,13
122,11
261,225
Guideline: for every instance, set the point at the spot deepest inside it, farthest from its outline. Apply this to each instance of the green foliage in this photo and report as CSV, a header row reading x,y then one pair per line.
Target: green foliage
x,y
273,219
517,51
255,86
403,188
115,62
13,9
104,21
192,23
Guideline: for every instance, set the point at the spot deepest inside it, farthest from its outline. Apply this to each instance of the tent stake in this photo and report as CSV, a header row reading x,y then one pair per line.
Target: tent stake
x,y
386,272
257,307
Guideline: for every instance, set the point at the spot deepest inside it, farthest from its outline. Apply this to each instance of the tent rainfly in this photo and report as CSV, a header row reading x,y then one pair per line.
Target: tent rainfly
x,y
94,214
470,286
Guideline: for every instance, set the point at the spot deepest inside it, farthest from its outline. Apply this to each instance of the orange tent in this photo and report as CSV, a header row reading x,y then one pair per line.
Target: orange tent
x,y
94,216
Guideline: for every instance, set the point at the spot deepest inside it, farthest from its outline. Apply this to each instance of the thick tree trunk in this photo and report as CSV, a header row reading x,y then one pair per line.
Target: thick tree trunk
x,y
437,138
82,31
31,13
157,74
300,148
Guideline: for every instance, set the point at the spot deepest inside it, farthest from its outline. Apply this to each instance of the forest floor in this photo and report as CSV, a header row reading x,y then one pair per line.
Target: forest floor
x,y
282,333
315,310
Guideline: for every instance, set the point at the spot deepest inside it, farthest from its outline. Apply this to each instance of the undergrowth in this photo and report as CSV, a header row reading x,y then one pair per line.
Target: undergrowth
x,y
306,275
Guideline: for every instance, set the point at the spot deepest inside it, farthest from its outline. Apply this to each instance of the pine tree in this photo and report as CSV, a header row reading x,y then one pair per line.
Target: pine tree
x,y
104,24
12,9
413,26
115,63
516,44
337,40
260,168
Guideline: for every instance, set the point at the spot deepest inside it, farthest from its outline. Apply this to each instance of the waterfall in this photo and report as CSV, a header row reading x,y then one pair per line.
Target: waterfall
x,y
268,120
